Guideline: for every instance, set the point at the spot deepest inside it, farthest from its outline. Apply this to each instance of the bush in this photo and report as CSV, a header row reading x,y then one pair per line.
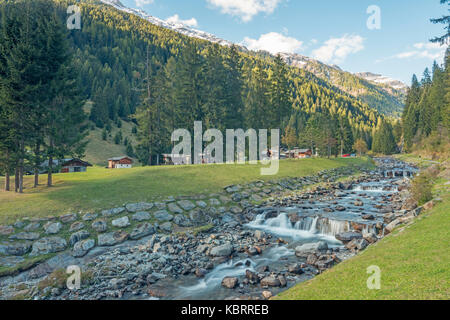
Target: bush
x,y
421,189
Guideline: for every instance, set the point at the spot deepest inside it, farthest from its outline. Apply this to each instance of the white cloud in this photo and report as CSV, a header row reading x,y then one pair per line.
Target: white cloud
x,y
176,20
427,50
141,3
336,50
245,9
274,43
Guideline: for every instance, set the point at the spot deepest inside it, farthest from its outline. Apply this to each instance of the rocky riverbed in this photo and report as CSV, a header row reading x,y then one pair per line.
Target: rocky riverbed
x,y
249,242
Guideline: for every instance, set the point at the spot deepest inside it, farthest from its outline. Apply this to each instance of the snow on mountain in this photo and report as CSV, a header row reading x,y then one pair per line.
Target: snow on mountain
x,y
378,78
293,59
178,27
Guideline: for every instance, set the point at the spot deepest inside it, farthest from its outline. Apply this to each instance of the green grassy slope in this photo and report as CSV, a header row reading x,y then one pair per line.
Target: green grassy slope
x,y
101,188
414,263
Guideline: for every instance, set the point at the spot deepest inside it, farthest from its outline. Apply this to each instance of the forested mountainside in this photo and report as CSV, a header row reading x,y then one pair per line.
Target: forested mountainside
x,y
388,98
384,94
426,118
133,70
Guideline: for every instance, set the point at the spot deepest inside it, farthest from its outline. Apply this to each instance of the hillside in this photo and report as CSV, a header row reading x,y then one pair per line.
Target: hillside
x,y
385,95
413,261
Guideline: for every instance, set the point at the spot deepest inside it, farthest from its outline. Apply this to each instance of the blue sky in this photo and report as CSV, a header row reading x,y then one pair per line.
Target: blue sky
x,y
333,31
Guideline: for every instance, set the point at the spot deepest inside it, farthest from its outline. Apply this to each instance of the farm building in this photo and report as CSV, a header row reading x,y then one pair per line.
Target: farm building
x,y
66,165
299,153
120,162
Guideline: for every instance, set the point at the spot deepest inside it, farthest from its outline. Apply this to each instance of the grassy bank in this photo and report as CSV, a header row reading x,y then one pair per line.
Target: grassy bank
x,y
101,188
413,260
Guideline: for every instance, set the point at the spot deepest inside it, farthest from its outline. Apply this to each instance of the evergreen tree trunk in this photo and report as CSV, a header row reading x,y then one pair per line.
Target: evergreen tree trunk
x,y
16,180
50,171
21,178
7,182
36,165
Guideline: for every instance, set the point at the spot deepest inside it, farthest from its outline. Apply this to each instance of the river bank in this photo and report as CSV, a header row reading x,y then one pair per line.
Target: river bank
x,y
249,252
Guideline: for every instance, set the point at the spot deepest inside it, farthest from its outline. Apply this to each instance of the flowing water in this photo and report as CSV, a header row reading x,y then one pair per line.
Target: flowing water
x,y
305,222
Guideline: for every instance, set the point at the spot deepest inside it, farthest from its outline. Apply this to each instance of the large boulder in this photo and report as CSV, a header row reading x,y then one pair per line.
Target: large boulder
x,y
270,281
100,225
48,245
113,212
78,225
25,236
6,230
141,216
391,226
112,238
141,206
71,217
182,221
52,227
163,215
357,244
15,249
78,236
348,236
81,248
186,205
222,251
174,208
230,282
307,248
121,222
142,230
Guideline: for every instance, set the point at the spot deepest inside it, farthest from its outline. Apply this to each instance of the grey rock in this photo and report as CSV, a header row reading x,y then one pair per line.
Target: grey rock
x,y
121,222
307,248
25,236
10,261
163,215
182,221
15,249
166,226
32,226
141,206
348,236
100,225
71,217
201,204
48,245
142,230
52,227
236,210
357,244
113,212
186,205
141,216
230,282
112,238
270,281
81,248
174,208
76,226
78,236
90,216
222,251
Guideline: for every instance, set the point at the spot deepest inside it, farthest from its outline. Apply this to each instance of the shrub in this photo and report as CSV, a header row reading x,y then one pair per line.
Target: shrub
x,y
421,188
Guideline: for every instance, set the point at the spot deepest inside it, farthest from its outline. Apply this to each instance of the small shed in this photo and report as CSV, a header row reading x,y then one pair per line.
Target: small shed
x,y
74,165
65,165
304,153
120,162
299,153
